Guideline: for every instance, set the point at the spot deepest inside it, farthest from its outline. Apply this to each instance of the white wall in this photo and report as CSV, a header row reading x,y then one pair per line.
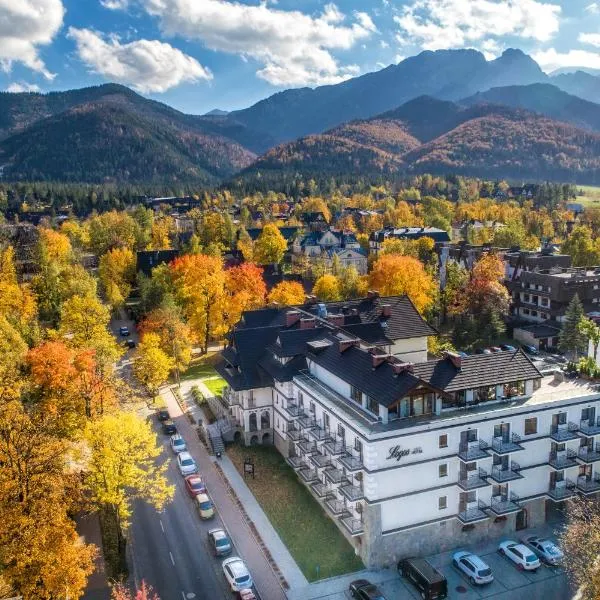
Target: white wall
x,y
411,350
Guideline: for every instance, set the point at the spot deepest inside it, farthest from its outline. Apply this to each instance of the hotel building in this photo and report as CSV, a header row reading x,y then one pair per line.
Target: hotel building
x,y
409,456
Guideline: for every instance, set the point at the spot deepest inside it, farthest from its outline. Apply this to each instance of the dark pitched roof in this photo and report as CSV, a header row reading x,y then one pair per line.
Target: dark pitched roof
x,y
373,333
293,341
540,330
148,259
410,233
281,372
478,370
287,232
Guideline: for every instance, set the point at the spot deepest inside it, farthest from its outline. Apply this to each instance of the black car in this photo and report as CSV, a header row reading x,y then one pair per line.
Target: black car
x,y
130,343
169,428
429,581
365,590
163,415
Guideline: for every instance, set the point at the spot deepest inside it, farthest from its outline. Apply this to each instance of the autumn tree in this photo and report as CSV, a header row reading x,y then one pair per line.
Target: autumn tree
x,y
583,249
17,303
270,246
144,592
55,246
152,365
246,290
112,230
155,290
117,274
245,245
316,205
327,288
122,467
352,284
13,350
287,293
394,274
162,232
591,331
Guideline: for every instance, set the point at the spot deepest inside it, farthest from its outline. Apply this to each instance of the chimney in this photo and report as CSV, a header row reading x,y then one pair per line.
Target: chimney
x,y
386,310
347,343
455,359
310,300
402,367
379,359
336,319
371,294
291,317
308,323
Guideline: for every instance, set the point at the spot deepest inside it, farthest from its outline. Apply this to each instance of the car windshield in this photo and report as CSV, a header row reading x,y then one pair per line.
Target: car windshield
x,y
531,558
205,505
551,549
187,462
222,542
485,572
196,484
178,442
242,580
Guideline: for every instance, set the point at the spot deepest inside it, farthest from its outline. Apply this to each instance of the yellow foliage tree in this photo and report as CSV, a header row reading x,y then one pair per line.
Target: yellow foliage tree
x,y
162,230
117,273
327,288
56,246
151,364
394,274
112,230
270,246
287,293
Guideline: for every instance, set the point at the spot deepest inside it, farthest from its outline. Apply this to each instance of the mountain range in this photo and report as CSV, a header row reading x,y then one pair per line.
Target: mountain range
x,y
445,111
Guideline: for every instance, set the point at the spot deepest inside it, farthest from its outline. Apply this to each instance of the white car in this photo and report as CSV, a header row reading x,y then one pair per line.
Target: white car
x,y
237,574
177,443
546,549
478,572
186,464
520,554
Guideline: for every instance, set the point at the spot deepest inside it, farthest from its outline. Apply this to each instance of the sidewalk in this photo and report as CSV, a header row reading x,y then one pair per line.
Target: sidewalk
x,y
88,527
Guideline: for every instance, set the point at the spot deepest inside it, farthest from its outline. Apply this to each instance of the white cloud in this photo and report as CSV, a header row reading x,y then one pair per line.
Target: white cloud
x,y
550,59
115,4
593,39
22,86
25,25
436,24
293,48
146,65
593,8
384,44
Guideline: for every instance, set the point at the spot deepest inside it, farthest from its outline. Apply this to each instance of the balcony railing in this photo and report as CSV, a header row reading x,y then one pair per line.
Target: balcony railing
x,y
335,447
589,454
308,474
294,410
334,504
320,434
589,485
469,451
505,504
296,462
564,432
474,512
230,397
353,525
589,427
501,474
474,480
294,434
321,460
351,462
562,460
500,445
334,476
320,489
308,446
307,422
562,490
354,493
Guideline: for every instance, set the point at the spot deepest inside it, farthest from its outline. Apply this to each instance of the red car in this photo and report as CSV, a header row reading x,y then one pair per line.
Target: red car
x,y
195,485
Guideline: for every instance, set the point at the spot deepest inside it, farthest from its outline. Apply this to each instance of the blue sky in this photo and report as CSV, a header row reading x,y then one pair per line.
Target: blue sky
x,y
202,54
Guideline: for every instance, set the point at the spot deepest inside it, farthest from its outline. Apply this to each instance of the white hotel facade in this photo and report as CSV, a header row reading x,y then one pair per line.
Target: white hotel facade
x,y
409,456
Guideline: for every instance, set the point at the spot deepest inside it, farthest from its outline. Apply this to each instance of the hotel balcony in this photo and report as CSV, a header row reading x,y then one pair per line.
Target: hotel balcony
x,y
351,462
294,434
321,460
320,434
334,504
473,513
294,410
353,525
506,446
335,447
589,427
503,505
476,479
501,474
335,476
308,474
354,493
307,422
589,485
230,397
562,460
470,451
564,433
296,462
320,489
562,490
589,454
307,446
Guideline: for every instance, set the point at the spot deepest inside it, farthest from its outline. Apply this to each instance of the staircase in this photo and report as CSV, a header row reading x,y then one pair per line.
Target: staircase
x,y
215,438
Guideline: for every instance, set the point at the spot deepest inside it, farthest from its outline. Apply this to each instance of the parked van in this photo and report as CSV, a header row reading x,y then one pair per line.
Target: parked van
x,y
431,583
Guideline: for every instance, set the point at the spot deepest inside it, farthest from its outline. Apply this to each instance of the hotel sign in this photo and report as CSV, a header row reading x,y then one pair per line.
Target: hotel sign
x,y
397,452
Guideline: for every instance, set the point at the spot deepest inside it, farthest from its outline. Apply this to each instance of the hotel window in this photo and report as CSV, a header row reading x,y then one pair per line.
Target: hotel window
x,y
341,432
372,405
416,406
485,394
515,388
300,400
531,426
358,446
443,502
443,440
326,420
394,412
312,408
443,470
355,394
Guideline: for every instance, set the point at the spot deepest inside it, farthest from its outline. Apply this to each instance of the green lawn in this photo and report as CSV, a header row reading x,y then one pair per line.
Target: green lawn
x,y
215,385
313,540
202,367
590,197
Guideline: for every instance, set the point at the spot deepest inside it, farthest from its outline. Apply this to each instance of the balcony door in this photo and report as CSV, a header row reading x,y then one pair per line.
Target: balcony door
x,y
468,436
588,414
559,419
466,500
502,431
500,490
501,462
556,477
467,470
585,471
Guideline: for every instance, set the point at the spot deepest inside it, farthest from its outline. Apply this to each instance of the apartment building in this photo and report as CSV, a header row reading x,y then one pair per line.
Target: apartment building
x,y
408,455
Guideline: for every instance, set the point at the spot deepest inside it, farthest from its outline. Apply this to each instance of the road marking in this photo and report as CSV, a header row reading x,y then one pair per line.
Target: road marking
x,y
161,526
183,595
191,595
172,559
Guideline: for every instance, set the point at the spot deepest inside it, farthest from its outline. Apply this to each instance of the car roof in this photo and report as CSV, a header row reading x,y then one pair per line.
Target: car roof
x,y
176,436
194,477
478,563
360,582
202,498
238,567
184,455
220,533
522,548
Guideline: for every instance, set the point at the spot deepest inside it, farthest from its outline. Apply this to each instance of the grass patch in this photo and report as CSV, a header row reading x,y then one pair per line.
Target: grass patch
x,y
309,534
202,367
590,195
159,403
115,558
216,385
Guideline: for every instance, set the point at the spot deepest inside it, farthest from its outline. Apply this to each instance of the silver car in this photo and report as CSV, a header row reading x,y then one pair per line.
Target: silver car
x,y
177,443
478,572
546,549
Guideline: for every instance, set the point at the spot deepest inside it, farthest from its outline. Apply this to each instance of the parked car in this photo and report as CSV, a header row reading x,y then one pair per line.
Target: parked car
x,y
247,595
520,554
237,574
429,581
219,542
124,331
462,354
530,349
508,348
365,590
545,549
186,464
163,415
478,572
177,443
168,427
495,349
206,510
195,485
483,351
130,343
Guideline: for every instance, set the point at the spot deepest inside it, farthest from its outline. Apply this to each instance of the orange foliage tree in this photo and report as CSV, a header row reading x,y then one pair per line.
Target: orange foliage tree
x,y
246,290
